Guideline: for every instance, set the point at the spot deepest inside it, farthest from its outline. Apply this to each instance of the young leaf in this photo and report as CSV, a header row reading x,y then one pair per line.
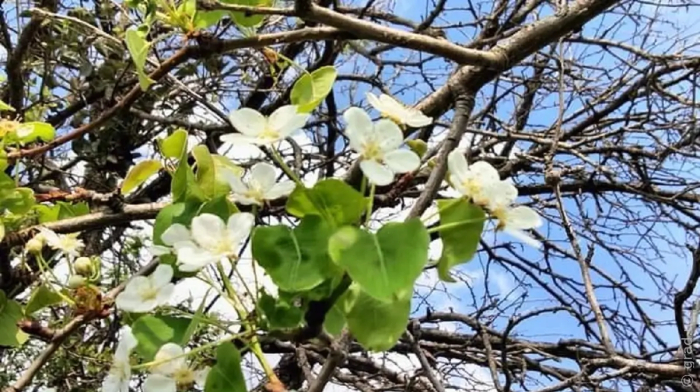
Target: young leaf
x,y
32,131
18,201
138,174
154,331
334,321
173,146
279,314
41,298
311,89
10,314
184,185
6,107
138,48
206,170
206,19
226,375
459,242
376,325
335,201
296,260
386,264
241,19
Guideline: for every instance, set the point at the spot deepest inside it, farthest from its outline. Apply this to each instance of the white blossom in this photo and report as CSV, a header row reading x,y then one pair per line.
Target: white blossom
x,y
209,240
172,371
260,185
511,219
119,374
471,180
398,112
68,244
257,129
378,145
143,294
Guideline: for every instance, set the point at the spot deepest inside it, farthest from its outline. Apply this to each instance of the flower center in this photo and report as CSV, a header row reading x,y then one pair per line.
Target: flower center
x,y
183,376
269,134
148,293
501,214
224,248
371,151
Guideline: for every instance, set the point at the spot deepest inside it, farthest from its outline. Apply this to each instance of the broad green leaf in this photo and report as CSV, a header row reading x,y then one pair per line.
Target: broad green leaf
x,y
220,206
10,314
226,375
206,170
206,19
184,184
4,106
387,264
464,223
376,325
138,174
42,297
19,201
174,145
222,163
335,201
311,89
3,160
175,213
61,210
296,260
278,313
334,321
241,19
154,331
31,131
138,48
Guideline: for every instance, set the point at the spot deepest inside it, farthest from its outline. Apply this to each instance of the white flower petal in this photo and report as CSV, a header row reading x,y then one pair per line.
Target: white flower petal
x,y
523,218
281,189
208,230
127,341
357,118
416,119
159,250
200,377
239,139
165,293
402,161
239,226
377,173
391,105
286,120
162,275
375,102
263,176
166,353
246,201
522,236
484,172
193,259
248,121
175,233
114,383
457,164
159,383
235,182
131,301
388,135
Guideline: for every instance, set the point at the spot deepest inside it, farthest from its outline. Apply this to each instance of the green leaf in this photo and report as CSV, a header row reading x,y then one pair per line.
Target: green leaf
x,y
278,313
138,174
61,210
296,260
248,21
226,375
19,201
376,325
206,19
138,48
387,264
188,7
175,213
184,184
222,163
461,238
311,89
206,171
154,331
32,131
418,146
4,106
334,321
220,206
174,145
335,201
10,314
42,297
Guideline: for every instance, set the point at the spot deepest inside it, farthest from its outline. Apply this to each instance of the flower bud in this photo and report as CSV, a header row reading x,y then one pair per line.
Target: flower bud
x,y
83,266
35,245
76,281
